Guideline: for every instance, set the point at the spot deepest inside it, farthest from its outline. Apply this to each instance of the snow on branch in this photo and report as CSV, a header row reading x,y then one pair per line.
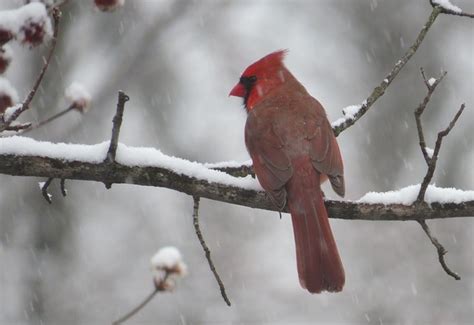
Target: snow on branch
x,y
450,9
408,195
28,24
21,156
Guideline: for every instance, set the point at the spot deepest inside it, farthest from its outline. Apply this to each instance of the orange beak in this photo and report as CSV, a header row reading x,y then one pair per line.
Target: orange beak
x,y
238,90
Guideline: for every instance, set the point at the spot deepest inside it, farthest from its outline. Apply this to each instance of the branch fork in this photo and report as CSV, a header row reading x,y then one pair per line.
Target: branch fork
x,y
431,160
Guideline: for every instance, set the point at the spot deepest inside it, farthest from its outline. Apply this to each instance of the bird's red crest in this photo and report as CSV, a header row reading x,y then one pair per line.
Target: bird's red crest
x,y
269,62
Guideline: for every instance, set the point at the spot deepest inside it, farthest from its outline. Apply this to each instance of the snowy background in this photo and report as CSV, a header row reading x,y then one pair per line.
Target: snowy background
x,y
85,258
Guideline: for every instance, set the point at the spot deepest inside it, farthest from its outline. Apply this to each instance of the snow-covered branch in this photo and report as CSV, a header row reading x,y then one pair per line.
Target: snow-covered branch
x,y
21,156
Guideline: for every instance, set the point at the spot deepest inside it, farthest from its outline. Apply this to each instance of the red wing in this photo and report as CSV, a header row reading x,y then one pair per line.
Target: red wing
x,y
324,150
270,163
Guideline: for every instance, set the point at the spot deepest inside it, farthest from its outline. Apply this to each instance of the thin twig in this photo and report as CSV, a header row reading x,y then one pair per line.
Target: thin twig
x,y
117,122
452,12
433,160
50,119
206,249
44,190
63,187
26,103
240,171
380,89
138,308
421,108
440,249
162,285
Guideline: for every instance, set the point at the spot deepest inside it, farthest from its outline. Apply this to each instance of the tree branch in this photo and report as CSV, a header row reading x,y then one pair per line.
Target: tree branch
x,y
207,252
440,250
135,310
421,108
25,165
380,89
50,119
434,159
117,123
44,190
431,160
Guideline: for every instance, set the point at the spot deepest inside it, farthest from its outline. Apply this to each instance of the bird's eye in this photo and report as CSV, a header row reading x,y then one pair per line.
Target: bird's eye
x,y
248,81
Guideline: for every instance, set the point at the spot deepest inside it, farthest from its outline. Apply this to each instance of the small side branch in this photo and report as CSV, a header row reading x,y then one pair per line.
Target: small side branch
x,y
433,160
63,187
137,309
44,190
421,108
240,171
117,123
50,119
206,249
439,248
380,89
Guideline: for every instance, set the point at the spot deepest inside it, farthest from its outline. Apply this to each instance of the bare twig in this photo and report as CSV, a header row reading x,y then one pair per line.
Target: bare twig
x,y
240,171
206,249
44,190
138,308
421,108
380,89
50,119
434,158
431,162
26,103
440,249
63,187
452,12
161,286
117,122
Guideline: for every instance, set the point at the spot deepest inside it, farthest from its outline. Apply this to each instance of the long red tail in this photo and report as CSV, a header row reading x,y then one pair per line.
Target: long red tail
x,y
319,265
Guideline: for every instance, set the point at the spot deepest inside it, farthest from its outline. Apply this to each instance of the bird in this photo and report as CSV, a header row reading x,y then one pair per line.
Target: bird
x,y
293,150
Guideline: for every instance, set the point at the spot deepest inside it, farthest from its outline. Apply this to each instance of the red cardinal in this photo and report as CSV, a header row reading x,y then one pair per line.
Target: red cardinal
x,y
294,150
